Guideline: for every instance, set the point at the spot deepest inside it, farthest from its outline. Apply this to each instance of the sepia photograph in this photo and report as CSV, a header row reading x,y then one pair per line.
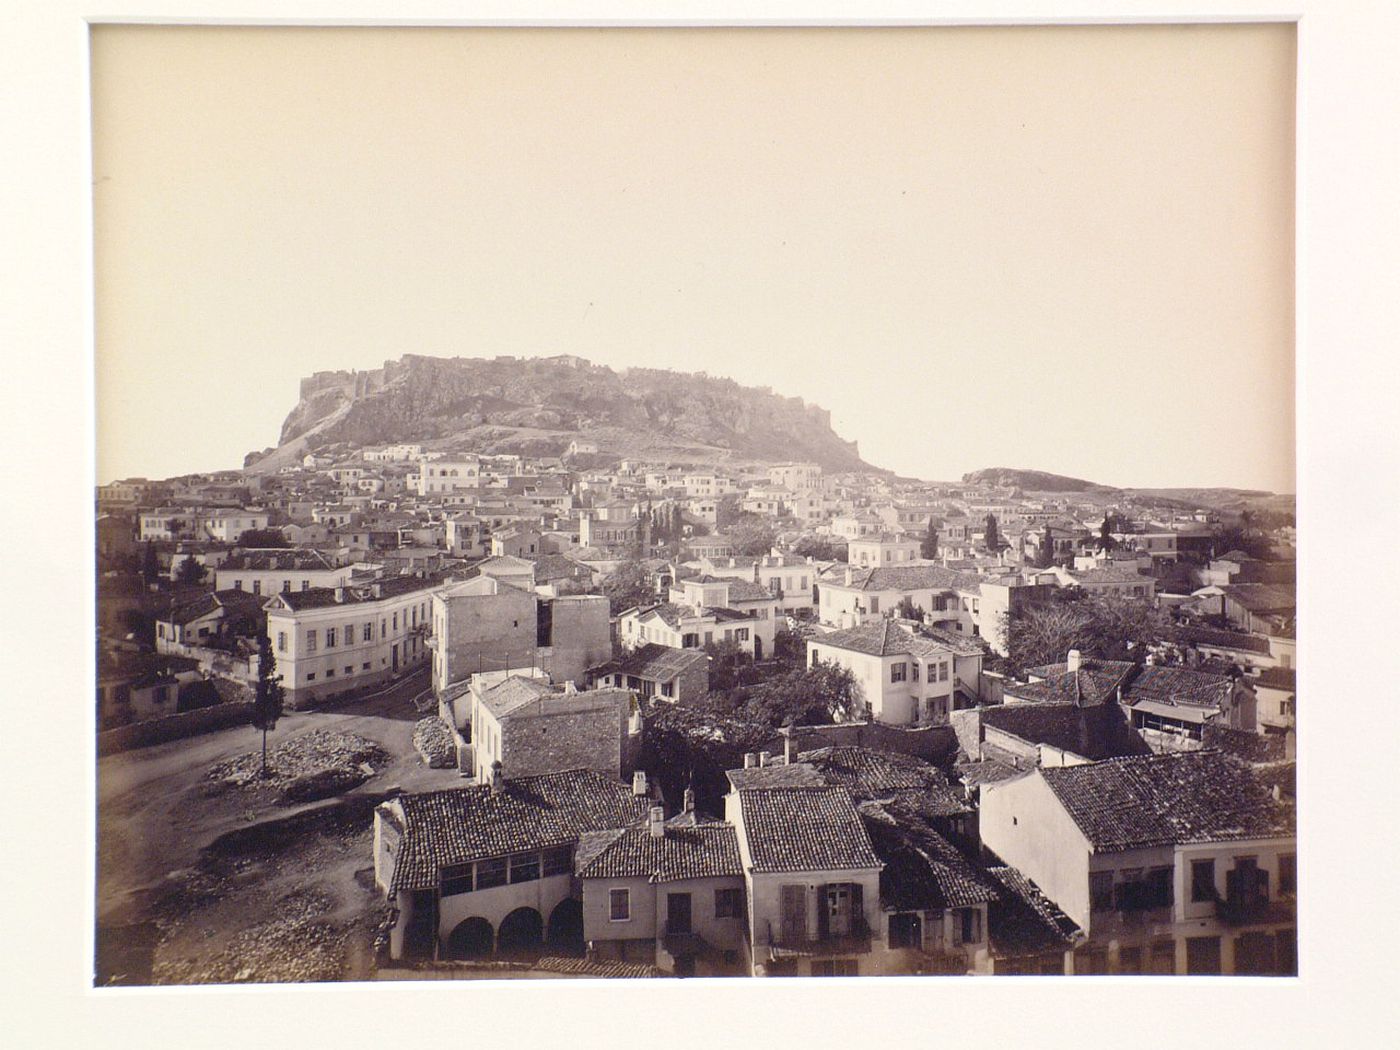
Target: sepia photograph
x,y
698,526
694,502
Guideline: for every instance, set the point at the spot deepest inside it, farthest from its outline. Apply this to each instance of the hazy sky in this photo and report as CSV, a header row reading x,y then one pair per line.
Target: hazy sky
x,y
1069,249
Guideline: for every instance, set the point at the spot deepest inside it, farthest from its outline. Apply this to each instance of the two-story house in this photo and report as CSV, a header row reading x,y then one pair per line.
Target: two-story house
x,y
1182,863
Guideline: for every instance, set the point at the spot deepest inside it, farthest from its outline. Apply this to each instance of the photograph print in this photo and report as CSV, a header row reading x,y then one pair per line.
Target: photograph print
x,y
694,502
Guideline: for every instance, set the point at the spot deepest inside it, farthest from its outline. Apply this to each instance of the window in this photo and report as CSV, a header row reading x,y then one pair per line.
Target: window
x,y
1101,891
1288,873
306,585
330,637
490,873
943,671
349,669
257,586
525,868
311,676
286,585
281,641
1203,955
383,628
970,926
364,666
898,672
619,905
905,930
456,878
729,903
1202,880
835,968
330,672
557,861
310,641
396,621
1163,957
1130,960
914,671
874,604
1091,961
741,635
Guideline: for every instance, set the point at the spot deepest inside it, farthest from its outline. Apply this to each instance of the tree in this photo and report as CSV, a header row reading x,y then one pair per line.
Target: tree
x,y
692,746
991,538
817,695
192,571
789,648
751,534
150,564
267,699
1106,540
1109,627
627,586
820,549
262,538
928,546
907,610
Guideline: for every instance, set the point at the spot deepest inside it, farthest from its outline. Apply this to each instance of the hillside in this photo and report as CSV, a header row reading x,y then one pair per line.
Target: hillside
x,y
1031,481
538,406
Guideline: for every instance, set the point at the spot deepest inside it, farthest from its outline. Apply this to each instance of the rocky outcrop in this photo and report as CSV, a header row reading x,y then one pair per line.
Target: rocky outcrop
x,y
542,403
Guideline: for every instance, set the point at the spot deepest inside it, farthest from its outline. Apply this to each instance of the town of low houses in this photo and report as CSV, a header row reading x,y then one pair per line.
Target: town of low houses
x,y
1124,812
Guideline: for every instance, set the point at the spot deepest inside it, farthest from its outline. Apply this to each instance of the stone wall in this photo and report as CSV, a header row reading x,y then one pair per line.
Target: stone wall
x,y
173,727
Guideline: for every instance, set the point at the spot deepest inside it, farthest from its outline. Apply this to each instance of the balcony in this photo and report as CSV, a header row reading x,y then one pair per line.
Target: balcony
x,y
1254,910
855,942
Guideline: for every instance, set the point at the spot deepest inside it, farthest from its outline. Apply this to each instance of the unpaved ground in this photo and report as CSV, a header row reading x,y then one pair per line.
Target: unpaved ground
x,y
183,897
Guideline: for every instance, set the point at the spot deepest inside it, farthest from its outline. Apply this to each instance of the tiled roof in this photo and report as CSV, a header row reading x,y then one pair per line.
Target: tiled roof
x,y
911,578
868,773
292,560
798,774
1094,682
653,660
1178,798
922,869
804,829
389,587
698,851
1278,678
881,638
1025,921
1209,636
1097,732
516,691
1108,575
1263,597
1178,685
1235,555
558,567
467,824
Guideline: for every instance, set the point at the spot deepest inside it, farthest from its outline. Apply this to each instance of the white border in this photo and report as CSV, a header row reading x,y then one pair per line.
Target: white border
x,y
1349,492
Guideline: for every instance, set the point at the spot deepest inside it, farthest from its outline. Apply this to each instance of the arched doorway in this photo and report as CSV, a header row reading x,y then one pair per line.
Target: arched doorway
x,y
565,934
521,933
471,939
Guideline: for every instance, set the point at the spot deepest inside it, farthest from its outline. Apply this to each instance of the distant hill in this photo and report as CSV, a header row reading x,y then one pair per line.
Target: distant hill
x,y
537,406
1032,481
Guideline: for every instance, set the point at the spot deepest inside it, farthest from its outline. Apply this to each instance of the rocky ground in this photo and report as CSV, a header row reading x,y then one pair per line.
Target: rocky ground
x,y
207,873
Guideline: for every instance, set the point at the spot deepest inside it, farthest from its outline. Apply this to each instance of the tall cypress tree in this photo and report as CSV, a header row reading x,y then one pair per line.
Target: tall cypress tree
x,y
267,701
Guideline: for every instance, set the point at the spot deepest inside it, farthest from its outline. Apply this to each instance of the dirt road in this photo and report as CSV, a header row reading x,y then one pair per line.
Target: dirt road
x,y
157,810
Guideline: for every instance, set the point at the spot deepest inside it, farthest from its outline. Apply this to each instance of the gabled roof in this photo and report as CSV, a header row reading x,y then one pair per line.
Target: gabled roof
x,y
804,829
882,638
922,869
653,660
1159,800
909,578
1096,732
1178,685
1263,597
694,851
1209,636
1025,921
293,559
515,692
1277,678
868,773
1094,683
466,824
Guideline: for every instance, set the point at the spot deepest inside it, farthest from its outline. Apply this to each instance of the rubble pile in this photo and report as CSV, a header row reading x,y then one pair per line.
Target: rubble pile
x,y
317,752
295,947
433,741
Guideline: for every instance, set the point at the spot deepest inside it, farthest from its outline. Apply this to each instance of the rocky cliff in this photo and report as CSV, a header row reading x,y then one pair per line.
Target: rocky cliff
x,y
538,405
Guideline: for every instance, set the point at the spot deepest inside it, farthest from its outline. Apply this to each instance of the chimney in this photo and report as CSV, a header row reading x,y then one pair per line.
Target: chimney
x,y
750,760
656,822
848,575
569,688
764,757
689,800
789,745
340,594
496,778
639,784
1074,660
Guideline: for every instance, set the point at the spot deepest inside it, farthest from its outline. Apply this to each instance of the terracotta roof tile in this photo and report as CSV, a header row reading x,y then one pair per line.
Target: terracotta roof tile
x,y
805,829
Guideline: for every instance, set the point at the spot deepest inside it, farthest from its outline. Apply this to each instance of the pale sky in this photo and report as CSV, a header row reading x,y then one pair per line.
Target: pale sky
x,y
1067,249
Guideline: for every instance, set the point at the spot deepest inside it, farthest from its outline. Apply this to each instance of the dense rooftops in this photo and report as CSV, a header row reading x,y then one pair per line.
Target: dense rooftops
x,y
693,851
1157,800
805,829
529,813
